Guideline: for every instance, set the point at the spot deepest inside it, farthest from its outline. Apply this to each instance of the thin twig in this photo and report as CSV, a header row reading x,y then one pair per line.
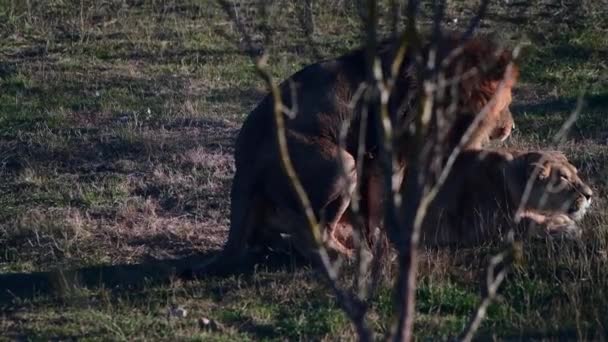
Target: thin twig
x,y
474,23
402,234
493,281
428,198
354,308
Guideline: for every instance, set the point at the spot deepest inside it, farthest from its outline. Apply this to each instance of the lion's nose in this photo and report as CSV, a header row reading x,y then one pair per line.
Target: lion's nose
x,y
588,193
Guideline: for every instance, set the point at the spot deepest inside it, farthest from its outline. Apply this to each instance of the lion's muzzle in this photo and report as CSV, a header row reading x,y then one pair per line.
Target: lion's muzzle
x,y
579,207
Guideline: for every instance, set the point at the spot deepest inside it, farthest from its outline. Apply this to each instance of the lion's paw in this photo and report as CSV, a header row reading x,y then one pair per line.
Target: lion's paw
x,y
562,227
559,226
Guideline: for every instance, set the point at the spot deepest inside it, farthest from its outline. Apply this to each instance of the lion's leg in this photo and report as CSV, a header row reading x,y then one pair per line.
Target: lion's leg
x,y
297,228
335,210
374,200
343,232
375,197
338,242
244,209
328,176
341,194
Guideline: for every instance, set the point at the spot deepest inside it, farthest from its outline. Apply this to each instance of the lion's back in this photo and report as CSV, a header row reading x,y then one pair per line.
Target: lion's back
x,y
312,97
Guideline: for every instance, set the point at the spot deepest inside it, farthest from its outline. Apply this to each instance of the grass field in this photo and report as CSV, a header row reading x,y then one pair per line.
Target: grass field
x,y
117,124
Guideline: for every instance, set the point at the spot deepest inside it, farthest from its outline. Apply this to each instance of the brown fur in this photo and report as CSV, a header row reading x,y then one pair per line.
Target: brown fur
x,y
324,90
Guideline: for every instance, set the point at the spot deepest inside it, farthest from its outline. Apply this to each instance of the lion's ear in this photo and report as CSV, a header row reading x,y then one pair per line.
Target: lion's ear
x,y
527,165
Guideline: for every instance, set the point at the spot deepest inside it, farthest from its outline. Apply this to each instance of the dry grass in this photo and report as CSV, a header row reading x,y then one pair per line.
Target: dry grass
x,y
117,124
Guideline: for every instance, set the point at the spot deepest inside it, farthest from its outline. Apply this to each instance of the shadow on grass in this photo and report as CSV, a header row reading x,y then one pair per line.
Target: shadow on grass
x,y
592,103
248,324
138,145
564,334
61,283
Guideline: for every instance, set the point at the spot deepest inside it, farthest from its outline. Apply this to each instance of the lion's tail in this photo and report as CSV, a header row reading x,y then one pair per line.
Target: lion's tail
x,y
241,202
231,257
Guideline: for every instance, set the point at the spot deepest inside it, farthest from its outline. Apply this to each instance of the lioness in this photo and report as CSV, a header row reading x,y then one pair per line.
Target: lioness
x,y
322,96
480,197
479,200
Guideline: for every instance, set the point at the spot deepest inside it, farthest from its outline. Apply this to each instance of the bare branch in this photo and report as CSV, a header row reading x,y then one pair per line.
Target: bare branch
x,y
230,10
428,198
285,159
394,6
474,23
494,278
418,190
439,10
307,20
401,234
561,134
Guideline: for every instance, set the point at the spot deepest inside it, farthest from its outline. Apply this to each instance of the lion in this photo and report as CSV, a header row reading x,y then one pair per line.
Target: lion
x,y
480,198
322,93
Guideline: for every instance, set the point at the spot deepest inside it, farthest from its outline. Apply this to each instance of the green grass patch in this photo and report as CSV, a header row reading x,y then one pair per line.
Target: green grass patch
x,y
117,126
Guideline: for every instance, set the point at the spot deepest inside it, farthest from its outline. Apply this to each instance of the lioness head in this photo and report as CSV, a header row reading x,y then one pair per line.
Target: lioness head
x,y
556,186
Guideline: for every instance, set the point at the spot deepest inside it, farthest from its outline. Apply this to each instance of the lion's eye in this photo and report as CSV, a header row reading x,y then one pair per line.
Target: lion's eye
x,y
558,183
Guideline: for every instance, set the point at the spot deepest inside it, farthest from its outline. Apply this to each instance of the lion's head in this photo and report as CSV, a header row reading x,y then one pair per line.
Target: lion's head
x,y
485,74
504,126
555,184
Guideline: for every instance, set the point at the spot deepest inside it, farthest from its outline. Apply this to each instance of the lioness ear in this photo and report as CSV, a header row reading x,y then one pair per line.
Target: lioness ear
x,y
543,170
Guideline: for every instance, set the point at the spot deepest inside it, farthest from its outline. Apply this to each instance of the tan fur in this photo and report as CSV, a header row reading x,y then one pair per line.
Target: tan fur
x,y
480,198
262,202
504,126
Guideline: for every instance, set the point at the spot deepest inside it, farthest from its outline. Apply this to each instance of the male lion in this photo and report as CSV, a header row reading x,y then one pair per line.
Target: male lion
x,y
479,200
321,94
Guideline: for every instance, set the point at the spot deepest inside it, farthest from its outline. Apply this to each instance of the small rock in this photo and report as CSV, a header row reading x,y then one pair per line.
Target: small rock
x,y
209,324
